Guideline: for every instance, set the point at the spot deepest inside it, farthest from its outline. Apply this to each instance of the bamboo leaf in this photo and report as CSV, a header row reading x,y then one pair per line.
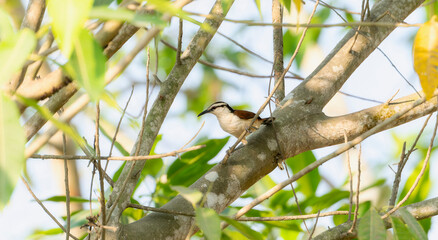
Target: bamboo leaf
x,y
426,56
243,229
6,27
87,65
400,230
12,142
286,4
414,227
68,18
209,222
298,4
139,20
14,51
371,227
191,195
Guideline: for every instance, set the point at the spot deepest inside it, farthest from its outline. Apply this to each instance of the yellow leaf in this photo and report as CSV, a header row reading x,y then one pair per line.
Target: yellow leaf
x,y
426,56
298,5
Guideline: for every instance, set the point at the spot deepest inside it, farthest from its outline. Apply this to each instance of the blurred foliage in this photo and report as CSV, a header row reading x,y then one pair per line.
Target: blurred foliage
x,y
160,179
291,37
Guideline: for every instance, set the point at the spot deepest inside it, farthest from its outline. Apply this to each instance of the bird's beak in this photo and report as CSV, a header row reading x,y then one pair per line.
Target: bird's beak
x,y
203,112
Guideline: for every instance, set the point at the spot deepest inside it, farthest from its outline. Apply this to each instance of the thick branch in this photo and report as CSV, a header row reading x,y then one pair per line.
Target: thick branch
x,y
318,130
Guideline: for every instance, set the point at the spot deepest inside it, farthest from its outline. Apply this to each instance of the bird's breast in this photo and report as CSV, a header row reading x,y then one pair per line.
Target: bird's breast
x,y
232,124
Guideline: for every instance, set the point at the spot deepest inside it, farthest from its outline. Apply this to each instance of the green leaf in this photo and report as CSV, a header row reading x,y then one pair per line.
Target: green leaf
x,y
257,2
414,227
243,228
14,51
286,4
401,232
45,113
308,183
327,199
102,2
87,65
124,15
12,142
192,165
371,227
6,27
68,18
116,143
64,199
191,195
209,222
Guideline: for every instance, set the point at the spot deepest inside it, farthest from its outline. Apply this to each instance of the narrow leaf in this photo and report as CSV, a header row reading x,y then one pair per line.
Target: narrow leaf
x,y
209,222
243,229
191,195
11,148
6,27
257,2
414,227
139,20
45,113
68,18
286,4
309,183
298,4
371,227
401,232
14,51
87,65
64,199
426,56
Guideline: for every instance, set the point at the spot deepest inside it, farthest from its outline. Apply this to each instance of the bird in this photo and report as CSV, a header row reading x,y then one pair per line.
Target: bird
x,y
234,122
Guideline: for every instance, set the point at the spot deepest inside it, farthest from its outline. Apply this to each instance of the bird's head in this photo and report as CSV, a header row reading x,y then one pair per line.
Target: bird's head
x,y
217,108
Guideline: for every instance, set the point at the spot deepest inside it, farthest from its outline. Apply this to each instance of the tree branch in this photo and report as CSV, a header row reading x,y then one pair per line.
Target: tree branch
x,y
420,210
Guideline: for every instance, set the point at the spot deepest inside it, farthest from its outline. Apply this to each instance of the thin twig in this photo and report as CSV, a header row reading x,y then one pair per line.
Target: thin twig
x,y
160,210
128,158
403,159
314,226
67,187
194,136
350,176
321,25
296,199
288,218
398,71
229,69
356,210
280,218
417,180
99,167
113,141
45,209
